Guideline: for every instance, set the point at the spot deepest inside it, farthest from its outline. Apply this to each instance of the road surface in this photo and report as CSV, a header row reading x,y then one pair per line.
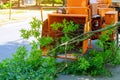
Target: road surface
x,y
10,38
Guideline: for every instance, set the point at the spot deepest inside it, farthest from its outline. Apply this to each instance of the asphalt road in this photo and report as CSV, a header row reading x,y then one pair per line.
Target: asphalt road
x,y
10,38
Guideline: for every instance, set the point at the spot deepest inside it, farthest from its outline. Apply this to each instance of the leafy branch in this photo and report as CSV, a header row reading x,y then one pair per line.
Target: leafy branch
x,y
85,36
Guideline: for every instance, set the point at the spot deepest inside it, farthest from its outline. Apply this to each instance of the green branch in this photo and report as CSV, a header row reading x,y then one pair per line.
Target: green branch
x,y
86,36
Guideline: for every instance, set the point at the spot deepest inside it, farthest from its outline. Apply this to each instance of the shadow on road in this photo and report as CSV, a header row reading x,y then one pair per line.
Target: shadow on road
x,y
7,49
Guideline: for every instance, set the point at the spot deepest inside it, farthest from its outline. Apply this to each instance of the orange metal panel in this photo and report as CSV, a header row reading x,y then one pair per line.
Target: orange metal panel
x,y
85,42
109,2
102,11
104,1
111,17
45,28
77,3
78,10
81,6
103,6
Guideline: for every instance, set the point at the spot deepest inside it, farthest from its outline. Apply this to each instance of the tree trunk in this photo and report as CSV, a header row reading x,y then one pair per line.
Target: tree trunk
x,y
22,2
37,2
18,3
53,3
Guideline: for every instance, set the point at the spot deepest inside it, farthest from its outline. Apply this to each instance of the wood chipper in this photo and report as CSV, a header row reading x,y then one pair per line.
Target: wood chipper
x,y
94,14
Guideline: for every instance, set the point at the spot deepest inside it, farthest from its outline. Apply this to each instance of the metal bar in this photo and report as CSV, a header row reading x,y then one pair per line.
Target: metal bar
x,y
41,14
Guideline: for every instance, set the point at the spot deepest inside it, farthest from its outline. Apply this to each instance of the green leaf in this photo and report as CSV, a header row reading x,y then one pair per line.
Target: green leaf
x,y
44,41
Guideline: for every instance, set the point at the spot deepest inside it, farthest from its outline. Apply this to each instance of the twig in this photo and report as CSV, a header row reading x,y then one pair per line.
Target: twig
x,y
66,54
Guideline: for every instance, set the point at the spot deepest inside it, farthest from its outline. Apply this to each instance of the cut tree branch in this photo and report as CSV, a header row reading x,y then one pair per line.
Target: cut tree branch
x,y
86,36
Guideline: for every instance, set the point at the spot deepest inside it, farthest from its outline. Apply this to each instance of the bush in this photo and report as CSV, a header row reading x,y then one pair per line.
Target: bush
x,y
5,5
29,66
95,62
25,66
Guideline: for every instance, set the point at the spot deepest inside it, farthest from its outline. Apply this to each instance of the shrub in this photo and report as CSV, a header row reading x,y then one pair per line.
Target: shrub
x,y
27,66
94,63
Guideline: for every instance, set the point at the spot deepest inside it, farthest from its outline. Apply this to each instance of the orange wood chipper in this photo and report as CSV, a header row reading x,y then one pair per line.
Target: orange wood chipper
x,y
94,14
